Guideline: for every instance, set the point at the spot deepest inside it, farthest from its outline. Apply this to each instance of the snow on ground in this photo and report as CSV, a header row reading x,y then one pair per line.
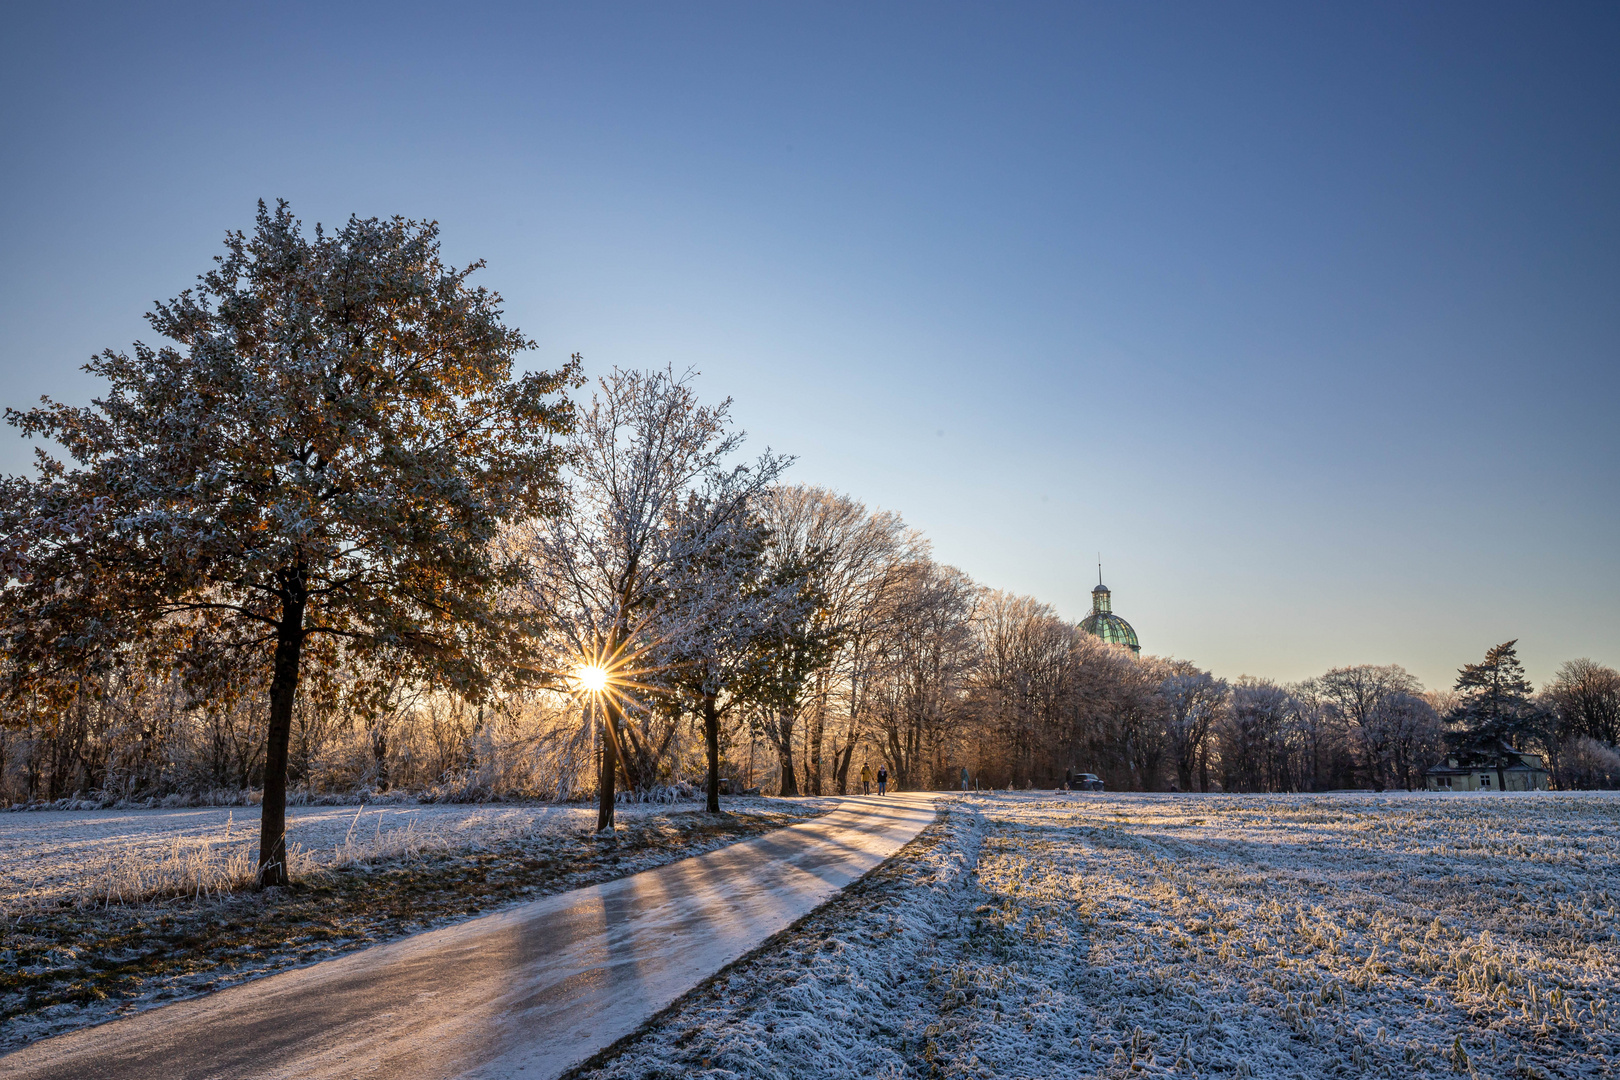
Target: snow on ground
x,y
1036,935
44,854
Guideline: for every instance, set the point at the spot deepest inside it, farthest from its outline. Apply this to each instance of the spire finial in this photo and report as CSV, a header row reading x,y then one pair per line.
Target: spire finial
x,y
1099,568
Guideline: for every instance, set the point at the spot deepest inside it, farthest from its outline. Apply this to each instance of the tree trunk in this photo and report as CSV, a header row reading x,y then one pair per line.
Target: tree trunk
x,y
841,759
782,738
711,737
283,693
816,738
379,755
784,751
790,779
608,775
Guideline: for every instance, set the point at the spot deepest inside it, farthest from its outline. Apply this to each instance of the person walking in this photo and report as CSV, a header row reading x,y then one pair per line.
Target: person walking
x,y
866,779
964,778
883,779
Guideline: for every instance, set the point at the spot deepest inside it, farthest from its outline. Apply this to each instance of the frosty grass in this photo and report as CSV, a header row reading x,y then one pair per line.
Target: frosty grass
x,y
52,856
70,958
1130,935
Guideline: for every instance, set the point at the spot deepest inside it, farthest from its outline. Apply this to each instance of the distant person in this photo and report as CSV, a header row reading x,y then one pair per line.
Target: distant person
x,y
883,779
964,778
866,779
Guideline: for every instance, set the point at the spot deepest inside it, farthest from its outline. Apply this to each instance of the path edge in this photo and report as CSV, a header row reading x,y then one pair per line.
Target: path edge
x,y
617,1046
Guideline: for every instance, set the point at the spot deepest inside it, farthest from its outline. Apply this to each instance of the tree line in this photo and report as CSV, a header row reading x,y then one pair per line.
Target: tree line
x,y
329,539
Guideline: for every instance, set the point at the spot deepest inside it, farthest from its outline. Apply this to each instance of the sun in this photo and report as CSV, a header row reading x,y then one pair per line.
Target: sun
x,y
590,677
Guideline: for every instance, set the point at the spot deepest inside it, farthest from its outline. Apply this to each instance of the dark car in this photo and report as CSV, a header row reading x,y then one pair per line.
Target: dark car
x,y
1087,782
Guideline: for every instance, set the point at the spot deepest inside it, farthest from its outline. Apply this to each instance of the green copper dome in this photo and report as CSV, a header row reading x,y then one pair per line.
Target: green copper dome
x,y
1103,623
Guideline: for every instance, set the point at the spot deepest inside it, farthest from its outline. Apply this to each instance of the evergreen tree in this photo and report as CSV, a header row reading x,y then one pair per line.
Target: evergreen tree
x,y
1496,697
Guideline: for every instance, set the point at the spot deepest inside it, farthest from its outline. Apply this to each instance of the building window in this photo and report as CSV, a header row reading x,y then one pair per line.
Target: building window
x,y
1484,779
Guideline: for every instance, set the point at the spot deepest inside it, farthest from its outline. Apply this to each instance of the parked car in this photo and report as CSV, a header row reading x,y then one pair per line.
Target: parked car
x,y
1087,782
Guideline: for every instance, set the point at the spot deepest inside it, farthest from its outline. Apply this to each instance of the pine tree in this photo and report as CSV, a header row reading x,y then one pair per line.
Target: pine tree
x,y
1496,703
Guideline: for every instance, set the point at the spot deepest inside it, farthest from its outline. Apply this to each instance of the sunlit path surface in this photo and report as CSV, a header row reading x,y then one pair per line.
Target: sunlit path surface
x,y
524,993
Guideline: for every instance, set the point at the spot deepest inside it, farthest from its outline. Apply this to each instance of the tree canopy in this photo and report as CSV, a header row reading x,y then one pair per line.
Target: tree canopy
x,y
324,454
1496,696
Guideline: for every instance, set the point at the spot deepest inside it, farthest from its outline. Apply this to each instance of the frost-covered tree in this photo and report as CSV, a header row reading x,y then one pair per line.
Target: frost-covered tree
x,y
1193,700
930,655
639,451
1254,733
720,607
1359,695
857,558
1584,700
781,677
1400,738
323,456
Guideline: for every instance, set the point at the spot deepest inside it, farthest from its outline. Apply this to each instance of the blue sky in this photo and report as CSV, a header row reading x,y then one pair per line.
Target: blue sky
x,y
1307,318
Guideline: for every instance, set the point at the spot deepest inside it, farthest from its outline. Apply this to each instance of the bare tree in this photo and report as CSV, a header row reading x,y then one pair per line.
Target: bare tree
x,y
1360,695
854,557
1403,737
1193,699
638,452
1584,700
1254,734
1586,696
1022,680
929,653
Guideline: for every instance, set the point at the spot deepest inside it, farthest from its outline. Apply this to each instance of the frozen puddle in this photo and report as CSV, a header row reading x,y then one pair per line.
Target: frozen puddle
x,y
523,993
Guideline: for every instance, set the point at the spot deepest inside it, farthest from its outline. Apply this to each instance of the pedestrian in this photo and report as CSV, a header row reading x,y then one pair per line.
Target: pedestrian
x,y
883,779
964,778
866,779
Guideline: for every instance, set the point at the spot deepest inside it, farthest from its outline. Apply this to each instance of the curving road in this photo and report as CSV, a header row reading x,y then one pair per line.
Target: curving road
x,y
523,993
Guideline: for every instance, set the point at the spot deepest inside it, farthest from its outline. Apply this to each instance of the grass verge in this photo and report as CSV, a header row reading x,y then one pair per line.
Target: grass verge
x,y
75,964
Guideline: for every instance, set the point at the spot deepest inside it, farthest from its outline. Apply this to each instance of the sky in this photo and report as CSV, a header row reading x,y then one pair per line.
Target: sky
x,y
1306,318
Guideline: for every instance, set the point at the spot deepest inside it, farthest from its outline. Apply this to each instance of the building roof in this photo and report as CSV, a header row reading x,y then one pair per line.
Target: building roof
x,y
1489,756
1111,628
1103,623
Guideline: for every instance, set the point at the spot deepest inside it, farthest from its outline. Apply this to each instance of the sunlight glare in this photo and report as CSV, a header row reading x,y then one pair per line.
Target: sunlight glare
x,y
590,677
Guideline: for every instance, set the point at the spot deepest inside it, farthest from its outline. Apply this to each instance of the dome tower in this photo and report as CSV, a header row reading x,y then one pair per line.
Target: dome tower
x,y
1103,623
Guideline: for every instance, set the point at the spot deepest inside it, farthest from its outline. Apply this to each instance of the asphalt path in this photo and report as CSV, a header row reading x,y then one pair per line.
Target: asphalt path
x,y
526,992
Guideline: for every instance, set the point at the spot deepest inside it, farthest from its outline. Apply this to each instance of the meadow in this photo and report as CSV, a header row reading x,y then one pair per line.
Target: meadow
x,y
1036,935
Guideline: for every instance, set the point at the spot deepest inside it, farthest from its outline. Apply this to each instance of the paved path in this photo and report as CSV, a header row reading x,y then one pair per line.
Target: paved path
x,y
523,993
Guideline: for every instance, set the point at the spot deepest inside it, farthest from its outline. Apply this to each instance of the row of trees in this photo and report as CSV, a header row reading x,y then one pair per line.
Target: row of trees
x,y
329,536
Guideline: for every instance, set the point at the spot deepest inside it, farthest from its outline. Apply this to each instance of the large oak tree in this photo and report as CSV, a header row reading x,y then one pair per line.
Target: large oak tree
x,y
321,458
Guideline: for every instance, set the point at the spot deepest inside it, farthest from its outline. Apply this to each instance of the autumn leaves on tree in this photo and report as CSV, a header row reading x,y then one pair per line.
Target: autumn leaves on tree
x,y
317,464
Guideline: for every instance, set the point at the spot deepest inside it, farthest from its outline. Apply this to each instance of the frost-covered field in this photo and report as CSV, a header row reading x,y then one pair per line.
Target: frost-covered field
x,y
49,855
1274,936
